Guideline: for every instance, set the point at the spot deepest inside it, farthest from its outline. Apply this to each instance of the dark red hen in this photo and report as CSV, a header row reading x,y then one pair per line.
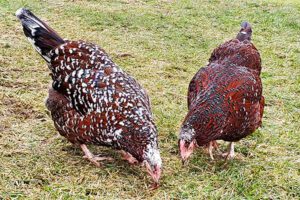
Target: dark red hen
x,y
225,99
92,101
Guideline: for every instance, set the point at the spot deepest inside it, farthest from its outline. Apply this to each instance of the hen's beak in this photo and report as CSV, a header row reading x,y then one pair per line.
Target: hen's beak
x,y
154,172
186,150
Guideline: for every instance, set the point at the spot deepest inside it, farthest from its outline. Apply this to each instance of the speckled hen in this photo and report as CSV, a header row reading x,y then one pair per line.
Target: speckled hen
x,y
225,99
92,101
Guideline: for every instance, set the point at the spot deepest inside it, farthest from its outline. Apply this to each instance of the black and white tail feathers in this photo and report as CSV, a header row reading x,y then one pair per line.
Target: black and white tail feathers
x,y
40,35
245,32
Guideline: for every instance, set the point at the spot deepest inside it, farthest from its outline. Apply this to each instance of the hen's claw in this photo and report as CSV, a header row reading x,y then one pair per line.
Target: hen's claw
x,y
154,186
91,157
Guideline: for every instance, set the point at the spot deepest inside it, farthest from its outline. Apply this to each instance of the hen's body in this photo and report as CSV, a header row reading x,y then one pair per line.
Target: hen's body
x,y
225,98
92,101
229,106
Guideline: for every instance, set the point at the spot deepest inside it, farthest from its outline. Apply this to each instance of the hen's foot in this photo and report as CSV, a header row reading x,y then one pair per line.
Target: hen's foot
x,y
91,157
230,154
154,186
128,157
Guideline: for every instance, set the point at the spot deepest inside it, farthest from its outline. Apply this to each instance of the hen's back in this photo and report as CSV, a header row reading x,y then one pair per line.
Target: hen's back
x,y
237,53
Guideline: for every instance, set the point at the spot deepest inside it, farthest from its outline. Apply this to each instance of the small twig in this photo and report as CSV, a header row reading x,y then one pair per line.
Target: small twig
x,y
121,55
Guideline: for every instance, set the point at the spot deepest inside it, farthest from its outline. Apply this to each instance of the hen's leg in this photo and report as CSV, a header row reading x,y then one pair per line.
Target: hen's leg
x,y
230,154
210,149
91,157
215,144
128,157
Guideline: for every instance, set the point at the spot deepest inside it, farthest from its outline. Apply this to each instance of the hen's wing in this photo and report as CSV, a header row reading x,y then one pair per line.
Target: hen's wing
x,y
243,96
198,83
95,89
91,81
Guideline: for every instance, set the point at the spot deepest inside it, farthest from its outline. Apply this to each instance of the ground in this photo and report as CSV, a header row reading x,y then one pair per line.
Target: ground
x,y
162,44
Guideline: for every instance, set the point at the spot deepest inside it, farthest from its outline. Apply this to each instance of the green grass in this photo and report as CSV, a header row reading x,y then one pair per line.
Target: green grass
x,y
168,42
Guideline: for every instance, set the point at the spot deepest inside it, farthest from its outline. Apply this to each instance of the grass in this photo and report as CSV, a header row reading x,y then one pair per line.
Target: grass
x,y
168,42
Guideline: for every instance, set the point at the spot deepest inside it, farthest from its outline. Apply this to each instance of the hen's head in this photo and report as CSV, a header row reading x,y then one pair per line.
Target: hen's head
x,y
141,142
245,32
153,162
187,142
144,147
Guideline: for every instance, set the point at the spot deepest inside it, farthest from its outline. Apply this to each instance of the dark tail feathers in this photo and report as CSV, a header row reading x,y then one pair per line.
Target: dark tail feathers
x,y
245,32
40,35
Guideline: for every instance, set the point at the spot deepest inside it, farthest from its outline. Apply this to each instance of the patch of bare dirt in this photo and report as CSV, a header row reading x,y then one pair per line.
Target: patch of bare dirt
x,y
12,107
